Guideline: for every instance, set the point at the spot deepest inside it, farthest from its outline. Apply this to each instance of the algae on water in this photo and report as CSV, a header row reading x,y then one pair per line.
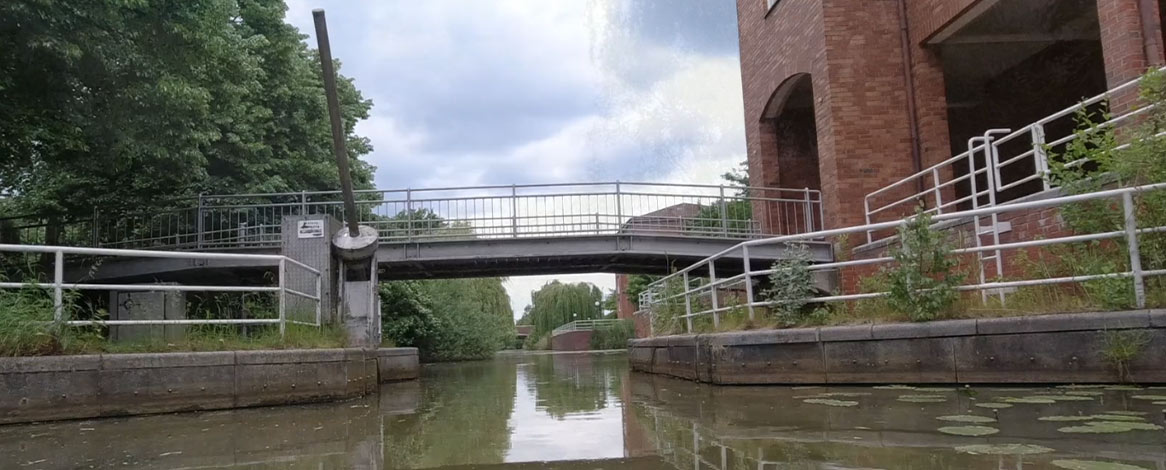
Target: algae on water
x,y
1109,427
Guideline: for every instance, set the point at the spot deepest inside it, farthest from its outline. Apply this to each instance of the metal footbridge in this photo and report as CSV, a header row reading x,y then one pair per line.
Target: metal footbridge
x,y
512,230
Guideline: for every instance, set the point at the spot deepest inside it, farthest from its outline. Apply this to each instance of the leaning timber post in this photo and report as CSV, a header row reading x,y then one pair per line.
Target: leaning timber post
x,y
354,245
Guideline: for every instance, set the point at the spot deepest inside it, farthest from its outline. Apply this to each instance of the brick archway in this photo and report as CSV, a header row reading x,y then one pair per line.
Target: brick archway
x,y
787,156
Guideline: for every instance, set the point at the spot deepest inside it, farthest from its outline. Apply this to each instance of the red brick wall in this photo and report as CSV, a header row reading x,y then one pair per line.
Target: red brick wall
x,y
572,341
1124,46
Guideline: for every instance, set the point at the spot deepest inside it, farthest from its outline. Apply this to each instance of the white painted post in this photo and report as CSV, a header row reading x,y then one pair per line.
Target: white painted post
x,y
319,299
58,290
866,209
713,294
1131,226
619,209
809,210
1040,154
687,303
198,224
282,296
748,280
409,215
938,193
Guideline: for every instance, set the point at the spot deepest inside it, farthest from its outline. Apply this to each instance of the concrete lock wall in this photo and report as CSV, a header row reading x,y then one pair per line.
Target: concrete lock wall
x,y
1040,349
572,341
72,387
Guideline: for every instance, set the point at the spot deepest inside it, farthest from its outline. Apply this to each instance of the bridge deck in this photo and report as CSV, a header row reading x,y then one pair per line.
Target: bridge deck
x,y
628,254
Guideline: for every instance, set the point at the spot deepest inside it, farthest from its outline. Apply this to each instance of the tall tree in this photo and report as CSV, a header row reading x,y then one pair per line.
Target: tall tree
x,y
557,303
130,103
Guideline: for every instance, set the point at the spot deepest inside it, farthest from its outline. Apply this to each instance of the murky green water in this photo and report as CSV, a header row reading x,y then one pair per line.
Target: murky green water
x,y
588,412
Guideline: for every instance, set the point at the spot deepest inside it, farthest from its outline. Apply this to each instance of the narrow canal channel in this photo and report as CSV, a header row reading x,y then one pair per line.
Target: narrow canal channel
x,y
589,412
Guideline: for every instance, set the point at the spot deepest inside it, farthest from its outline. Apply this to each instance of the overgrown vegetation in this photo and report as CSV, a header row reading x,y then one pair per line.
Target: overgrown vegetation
x,y
556,304
1121,347
791,285
449,319
922,280
614,336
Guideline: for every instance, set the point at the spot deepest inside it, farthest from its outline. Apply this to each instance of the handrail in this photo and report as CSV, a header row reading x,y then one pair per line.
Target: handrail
x,y
587,325
59,285
940,177
658,292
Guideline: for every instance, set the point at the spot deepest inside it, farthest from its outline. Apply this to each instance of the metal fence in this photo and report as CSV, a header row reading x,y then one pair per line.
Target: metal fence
x,y
480,212
59,286
588,325
706,295
999,166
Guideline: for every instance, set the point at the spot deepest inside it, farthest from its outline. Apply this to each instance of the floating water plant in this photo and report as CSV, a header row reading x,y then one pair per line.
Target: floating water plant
x,y
1085,393
1061,397
934,390
1105,417
1127,413
1003,449
966,419
922,398
994,406
1150,397
1124,388
1082,387
830,402
1028,400
1065,418
969,430
1109,427
894,387
1093,465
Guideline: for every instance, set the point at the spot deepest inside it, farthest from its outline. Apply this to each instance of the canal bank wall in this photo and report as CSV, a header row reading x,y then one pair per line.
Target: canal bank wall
x,y
1073,348
72,387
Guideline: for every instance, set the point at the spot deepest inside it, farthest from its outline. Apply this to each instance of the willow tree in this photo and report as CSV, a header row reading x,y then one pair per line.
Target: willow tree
x,y
556,304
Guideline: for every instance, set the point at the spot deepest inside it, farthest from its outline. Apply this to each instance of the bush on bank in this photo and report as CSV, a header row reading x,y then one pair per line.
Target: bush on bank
x,y
614,336
447,320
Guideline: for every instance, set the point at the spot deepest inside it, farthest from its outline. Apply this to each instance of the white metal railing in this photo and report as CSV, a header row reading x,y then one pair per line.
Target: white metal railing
x,y
665,290
587,325
479,212
1000,166
59,285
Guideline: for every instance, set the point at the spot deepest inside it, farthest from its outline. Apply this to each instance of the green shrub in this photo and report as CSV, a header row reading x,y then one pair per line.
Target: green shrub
x,y
922,283
791,286
613,336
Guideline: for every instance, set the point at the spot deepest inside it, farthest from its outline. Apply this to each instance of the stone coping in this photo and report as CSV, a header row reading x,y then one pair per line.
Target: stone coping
x,y
30,364
1155,318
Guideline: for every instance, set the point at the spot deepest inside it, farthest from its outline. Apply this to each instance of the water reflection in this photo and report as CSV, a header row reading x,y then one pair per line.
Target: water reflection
x,y
587,411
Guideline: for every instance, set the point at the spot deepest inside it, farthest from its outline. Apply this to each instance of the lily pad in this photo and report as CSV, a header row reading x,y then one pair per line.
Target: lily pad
x,y
829,402
1118,417
1082,387
1109,427
1127,413
1061,397
966,419
1124,388
922,398
1085,393
894,387
1003,449
1093,465
1158,403
1065,418
934,390
1028,400
995,406
972,431
1149,397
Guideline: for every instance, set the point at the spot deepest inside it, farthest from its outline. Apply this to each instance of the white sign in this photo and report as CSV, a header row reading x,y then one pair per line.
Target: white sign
x,y
310,229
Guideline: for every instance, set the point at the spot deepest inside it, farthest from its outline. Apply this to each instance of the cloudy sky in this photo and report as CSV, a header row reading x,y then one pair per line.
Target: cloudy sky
x,y
538,91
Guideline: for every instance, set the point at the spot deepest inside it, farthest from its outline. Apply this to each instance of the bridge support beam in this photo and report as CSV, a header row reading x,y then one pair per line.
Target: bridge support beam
x,y
308,239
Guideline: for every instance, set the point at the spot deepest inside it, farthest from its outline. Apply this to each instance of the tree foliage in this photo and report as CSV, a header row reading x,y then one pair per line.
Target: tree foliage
x,y
557,303
448,319
791,285
130,103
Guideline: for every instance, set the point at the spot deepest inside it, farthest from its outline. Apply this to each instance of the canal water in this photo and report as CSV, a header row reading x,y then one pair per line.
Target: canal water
x,y
586,411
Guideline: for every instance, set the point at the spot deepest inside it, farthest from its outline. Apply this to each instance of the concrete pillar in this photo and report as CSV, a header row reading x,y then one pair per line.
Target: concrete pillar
x,y
308,239
361,304
147,306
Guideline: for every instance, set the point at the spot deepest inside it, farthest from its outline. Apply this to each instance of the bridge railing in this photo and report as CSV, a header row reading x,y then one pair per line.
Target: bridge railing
x,y
59,286
697,290
217,222
587,325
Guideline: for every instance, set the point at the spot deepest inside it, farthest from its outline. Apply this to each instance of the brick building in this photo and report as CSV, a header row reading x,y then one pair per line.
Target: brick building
x,y
848,96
